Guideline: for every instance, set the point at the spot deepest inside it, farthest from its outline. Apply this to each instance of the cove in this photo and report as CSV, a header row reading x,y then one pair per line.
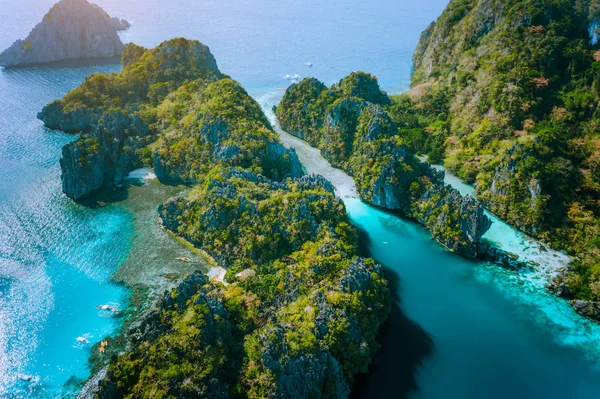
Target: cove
x,y
478,330
545,260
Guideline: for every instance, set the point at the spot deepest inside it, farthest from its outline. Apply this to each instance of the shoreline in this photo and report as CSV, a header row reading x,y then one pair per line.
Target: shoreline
x,y
491,250
455,181
147,271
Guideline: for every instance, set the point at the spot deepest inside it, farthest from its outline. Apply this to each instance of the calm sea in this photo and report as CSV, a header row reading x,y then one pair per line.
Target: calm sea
x,y
460,330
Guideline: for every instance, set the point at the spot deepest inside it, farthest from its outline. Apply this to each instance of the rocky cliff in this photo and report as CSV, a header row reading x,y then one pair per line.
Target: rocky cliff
x,y
350,125
299,321
171,109
505,93
72,29
118,23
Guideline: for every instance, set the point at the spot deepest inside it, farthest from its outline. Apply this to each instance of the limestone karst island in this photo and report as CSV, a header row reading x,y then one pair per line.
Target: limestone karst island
x,y
282,200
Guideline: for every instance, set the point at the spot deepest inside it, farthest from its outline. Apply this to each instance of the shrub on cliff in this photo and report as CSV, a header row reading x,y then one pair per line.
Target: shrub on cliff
x,y
353,130
302,324
517,86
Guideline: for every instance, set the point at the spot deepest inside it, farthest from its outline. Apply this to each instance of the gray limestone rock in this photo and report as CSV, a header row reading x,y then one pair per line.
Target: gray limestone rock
x,y
587,308
71,30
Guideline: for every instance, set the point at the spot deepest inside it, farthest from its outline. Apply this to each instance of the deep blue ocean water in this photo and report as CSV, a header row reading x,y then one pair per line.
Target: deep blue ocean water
x,y
460,330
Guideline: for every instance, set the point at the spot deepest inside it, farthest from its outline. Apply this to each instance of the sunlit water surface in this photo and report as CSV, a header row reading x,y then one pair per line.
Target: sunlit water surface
x,y
463,329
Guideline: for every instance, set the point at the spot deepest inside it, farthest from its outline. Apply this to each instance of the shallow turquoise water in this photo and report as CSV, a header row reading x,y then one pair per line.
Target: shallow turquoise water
x,y
56,257
461,329
494,333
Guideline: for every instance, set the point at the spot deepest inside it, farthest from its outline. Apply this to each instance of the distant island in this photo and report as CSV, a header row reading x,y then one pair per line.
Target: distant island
x,y
71,30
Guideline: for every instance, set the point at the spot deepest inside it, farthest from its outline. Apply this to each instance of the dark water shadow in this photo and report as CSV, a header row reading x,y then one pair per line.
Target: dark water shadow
x,y
108,194
404,347
66,64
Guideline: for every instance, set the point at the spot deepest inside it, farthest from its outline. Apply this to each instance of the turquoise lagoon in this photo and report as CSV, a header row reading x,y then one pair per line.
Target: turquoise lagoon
x,y
56,257
459,330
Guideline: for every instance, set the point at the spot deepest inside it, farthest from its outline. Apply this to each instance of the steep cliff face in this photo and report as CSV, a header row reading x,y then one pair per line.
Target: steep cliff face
x,y
72,29
118,23
82,163
509,91
105,155
299,322
350,125
169,108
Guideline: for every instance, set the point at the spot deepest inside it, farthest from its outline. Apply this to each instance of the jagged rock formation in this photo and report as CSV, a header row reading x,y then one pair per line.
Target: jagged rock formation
x,y
150,102
107,154
118,23
349,124
232,195
300,321
72,29
505,93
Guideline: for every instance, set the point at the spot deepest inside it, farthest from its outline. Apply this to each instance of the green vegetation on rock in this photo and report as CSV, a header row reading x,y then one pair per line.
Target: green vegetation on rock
x,y
352,127
506,94
169,108
301,311
299,317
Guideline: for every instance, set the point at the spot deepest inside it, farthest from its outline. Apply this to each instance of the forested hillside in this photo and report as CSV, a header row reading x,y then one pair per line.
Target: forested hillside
x,y
506,94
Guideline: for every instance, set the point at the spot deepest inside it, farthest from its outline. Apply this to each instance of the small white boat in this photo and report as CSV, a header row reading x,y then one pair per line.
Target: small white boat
x,y
297,77
82,340
111,308
288,77
27,378
308,64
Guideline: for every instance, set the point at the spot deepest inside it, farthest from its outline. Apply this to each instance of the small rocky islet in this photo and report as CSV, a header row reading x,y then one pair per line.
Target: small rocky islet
x,y
71,30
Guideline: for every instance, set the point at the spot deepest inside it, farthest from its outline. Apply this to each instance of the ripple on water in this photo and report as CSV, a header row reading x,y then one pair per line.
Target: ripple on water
x,y
56,257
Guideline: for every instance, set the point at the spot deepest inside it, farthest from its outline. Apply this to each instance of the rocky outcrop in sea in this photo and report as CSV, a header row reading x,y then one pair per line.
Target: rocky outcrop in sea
x,y
71,30
349,124
105,155
124,127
